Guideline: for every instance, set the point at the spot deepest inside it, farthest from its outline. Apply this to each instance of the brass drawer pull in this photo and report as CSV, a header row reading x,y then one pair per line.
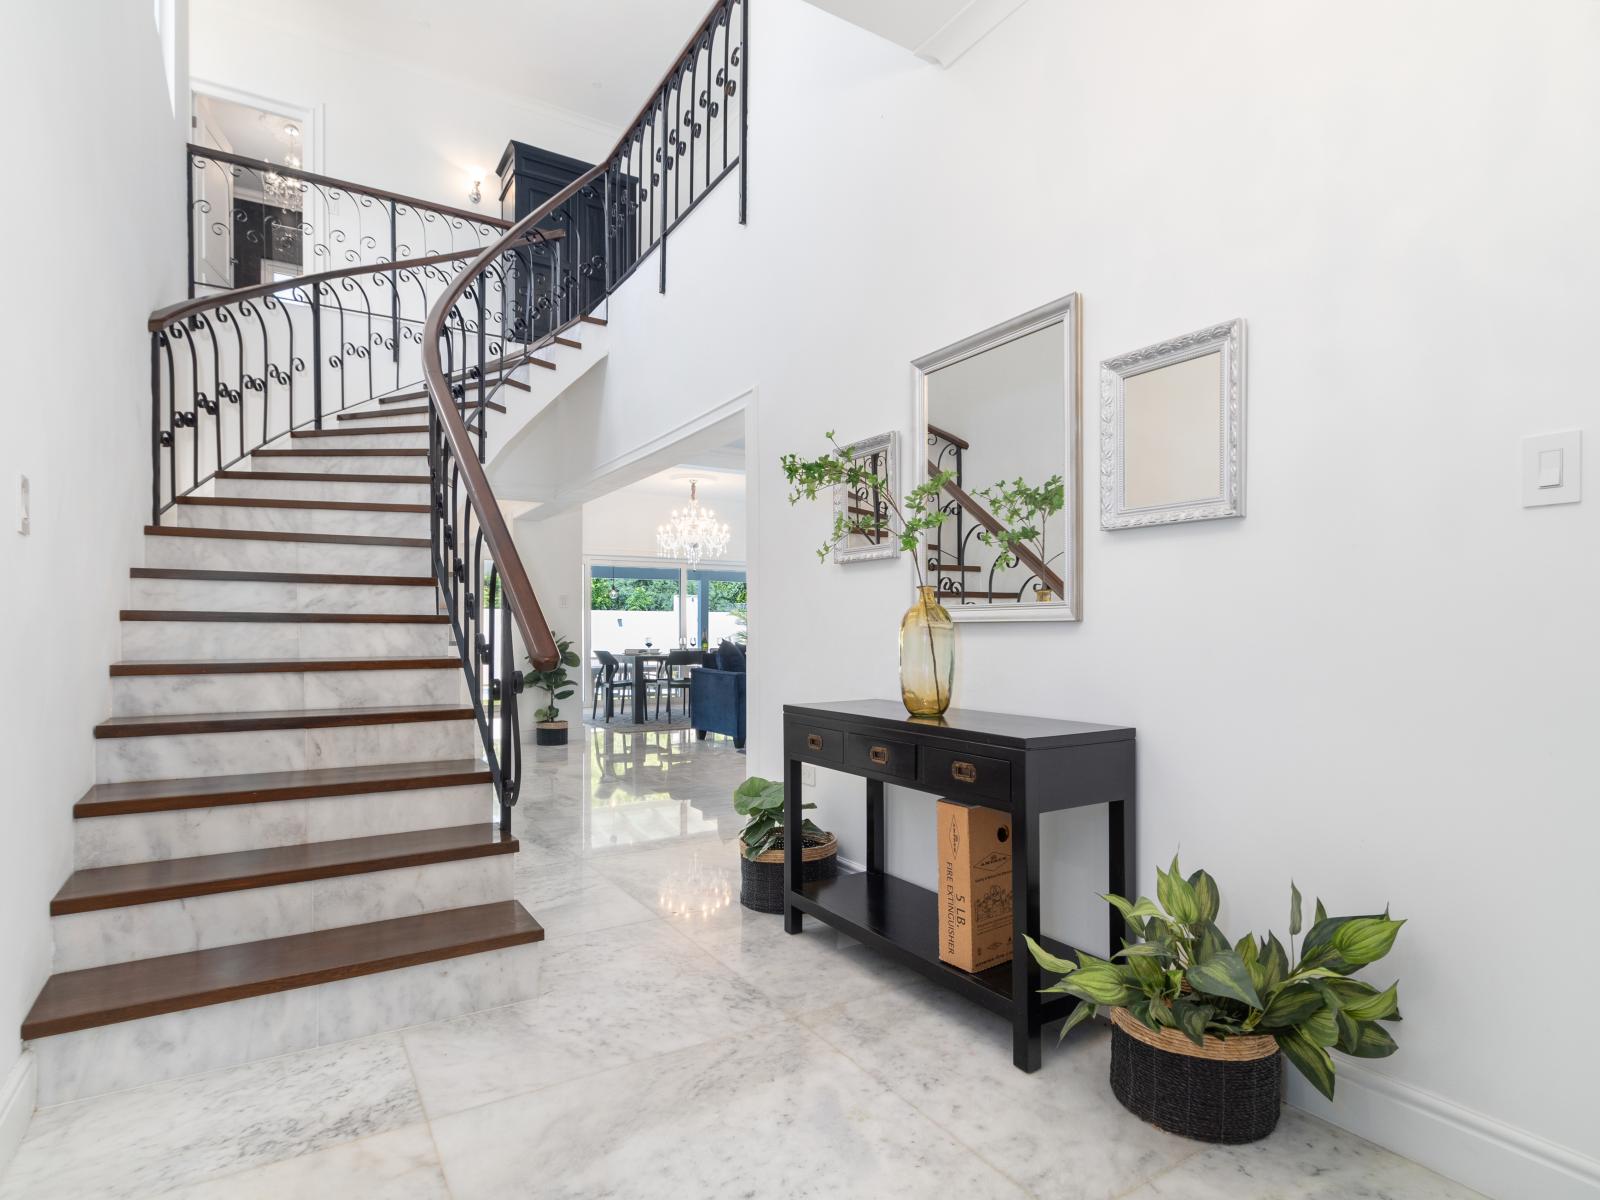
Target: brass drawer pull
x,y
963,772
879,755
814,741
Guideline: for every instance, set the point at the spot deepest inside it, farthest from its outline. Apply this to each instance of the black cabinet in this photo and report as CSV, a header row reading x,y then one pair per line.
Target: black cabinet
x,y
1026,766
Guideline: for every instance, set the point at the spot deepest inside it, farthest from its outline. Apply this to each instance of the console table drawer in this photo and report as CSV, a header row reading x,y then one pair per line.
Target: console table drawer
x,y
882,755
823,745
956,775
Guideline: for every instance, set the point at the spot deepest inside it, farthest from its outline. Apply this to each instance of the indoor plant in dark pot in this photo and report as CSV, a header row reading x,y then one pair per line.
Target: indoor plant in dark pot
x,y
557,685
760,802
1199,1022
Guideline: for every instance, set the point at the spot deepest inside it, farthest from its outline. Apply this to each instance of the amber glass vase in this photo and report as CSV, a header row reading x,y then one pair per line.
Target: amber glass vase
x,y
927,656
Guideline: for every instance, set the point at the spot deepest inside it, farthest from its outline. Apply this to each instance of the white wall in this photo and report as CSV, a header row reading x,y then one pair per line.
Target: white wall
x,y
382,122
91,105
552,553
1382,681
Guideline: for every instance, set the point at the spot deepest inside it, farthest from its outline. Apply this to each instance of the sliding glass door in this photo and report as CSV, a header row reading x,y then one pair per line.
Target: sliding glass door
x,y
635,607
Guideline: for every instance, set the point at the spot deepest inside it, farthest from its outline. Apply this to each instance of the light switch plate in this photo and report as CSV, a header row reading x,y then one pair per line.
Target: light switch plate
x,y
24,517
808,775
1552,469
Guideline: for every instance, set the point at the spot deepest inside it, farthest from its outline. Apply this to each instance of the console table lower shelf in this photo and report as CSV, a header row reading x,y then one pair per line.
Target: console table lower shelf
x,y
1022,766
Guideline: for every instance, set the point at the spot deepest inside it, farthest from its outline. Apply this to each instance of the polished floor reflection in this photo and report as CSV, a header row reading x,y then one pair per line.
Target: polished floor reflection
x,y
679,1047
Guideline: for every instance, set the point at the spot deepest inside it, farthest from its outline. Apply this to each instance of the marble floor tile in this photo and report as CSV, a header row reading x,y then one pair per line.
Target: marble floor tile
x,y
399,1165
606,999
158,1138
767,1114
1303,1159
1059,1131
571,896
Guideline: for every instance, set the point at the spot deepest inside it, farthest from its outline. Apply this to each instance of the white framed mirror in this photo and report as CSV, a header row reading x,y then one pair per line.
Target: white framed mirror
x,y
999,411
1172,430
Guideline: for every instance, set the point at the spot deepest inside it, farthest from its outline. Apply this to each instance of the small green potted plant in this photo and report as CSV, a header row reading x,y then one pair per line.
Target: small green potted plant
x,y
760,802
1199,1022
1023,510
549,729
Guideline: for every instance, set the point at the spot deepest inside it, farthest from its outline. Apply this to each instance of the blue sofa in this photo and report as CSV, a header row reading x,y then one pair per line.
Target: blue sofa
x,y
717,694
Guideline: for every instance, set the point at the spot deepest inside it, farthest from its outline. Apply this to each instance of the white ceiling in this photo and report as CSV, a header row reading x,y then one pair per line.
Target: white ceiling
x,y
597,58
939,31
253,132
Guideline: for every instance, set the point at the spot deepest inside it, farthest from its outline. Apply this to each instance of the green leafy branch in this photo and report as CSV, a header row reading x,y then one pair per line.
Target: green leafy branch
x,y
1023,510
907,519
1179,971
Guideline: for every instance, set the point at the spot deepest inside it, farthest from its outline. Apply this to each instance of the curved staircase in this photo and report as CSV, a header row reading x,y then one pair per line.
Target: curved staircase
x,y
300,830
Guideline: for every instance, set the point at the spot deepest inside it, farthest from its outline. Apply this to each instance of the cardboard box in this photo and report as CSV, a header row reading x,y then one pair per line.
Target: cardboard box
x,y
974,886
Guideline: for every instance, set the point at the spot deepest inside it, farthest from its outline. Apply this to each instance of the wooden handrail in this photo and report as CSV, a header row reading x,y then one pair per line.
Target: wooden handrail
x,y
262,165
984,517
516,589
945,435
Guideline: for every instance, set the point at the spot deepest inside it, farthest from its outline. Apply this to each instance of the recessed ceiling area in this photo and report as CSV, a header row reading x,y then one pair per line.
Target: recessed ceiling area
x,y
596,58
253,132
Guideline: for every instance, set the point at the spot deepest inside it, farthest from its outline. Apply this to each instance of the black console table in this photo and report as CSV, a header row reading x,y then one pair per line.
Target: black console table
x,y
1026,766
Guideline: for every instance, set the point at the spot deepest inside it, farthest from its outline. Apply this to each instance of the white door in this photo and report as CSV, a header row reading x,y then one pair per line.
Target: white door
x,y
213,209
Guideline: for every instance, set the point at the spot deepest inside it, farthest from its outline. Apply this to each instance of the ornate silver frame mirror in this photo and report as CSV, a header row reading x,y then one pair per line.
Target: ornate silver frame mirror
x,y
873,538
999,411
1172,430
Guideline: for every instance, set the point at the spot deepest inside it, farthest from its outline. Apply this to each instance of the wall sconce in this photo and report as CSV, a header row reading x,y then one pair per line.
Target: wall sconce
x,y
476,175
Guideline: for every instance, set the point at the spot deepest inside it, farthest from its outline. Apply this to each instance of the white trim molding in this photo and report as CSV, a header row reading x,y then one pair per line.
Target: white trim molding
x,y
19,1091
1497,1159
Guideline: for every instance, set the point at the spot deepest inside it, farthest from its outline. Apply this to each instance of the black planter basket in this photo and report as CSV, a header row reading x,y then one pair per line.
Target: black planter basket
x,y
761,879
550,733
1230,1091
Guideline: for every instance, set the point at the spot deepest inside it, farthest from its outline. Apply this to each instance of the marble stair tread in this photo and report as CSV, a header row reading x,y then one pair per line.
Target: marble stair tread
x,y
273,535
379,431
282,666
215,791
323,477
107,995
281,577
327,505
300,718
180,878
282,618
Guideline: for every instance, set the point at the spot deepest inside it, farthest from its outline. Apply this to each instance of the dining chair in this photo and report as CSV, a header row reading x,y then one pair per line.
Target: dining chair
x,y
616,679
674,677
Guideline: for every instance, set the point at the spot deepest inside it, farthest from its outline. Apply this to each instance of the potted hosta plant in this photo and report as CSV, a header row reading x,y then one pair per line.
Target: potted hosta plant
x,y
760,802
873,511
549,729
1199,1022
1023,511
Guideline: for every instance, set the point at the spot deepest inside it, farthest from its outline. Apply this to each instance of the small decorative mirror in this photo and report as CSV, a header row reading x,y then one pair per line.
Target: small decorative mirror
x,y
863,509
998,412
1172,430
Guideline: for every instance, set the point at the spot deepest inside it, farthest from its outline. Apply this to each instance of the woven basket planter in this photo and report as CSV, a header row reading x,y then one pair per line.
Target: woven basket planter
x,y
761,878
1228,1090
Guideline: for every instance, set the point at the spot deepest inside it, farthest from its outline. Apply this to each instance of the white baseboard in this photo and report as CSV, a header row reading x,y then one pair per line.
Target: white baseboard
x,y
17,1093
1497,1159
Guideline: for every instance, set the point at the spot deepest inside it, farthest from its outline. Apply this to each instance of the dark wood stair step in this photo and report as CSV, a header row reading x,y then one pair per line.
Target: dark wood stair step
x,y
388,429
326,505
280,666
148,987
209,874
217,791
593,320
953,568
284,618
299,718
323,477
341,452
275,535
566,341
281,577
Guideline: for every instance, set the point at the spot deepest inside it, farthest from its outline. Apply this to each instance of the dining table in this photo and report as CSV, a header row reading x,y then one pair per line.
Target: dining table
x,y
635,661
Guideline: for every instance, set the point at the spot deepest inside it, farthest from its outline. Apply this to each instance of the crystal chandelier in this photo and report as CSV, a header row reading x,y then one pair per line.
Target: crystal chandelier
x,y
693,533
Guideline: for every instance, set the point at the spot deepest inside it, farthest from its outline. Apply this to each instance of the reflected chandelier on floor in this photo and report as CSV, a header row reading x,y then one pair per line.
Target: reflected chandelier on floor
x,y
692,533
